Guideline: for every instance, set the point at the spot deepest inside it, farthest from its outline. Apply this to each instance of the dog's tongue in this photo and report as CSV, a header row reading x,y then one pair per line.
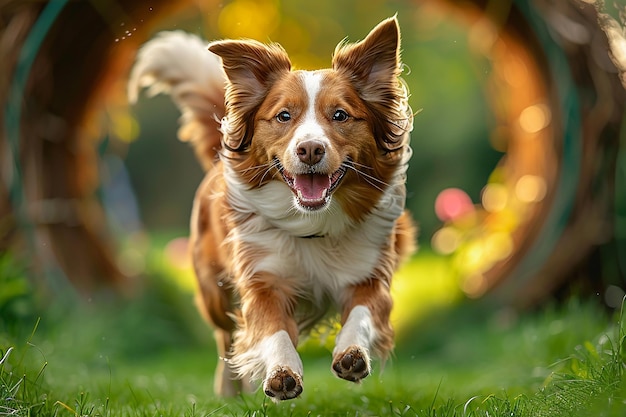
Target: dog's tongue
x,y
312,187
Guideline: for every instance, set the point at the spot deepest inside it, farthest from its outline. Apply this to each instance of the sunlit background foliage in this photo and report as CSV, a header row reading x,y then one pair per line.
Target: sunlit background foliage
x,y
490,166
513,166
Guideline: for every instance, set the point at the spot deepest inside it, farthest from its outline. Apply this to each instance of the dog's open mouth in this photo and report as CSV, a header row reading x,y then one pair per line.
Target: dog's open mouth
x,y
313,190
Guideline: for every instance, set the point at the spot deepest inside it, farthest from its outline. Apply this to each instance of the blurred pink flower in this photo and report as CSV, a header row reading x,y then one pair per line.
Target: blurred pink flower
x,y
452,203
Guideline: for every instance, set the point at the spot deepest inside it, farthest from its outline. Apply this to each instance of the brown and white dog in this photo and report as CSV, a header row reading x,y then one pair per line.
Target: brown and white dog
x,y
302,210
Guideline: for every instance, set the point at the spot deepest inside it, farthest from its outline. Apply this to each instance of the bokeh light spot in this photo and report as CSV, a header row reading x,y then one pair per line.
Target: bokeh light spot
x,y
474,285
530,189
499,245
473,257
249,19
177,252
535,118
494,197
452,203
446,240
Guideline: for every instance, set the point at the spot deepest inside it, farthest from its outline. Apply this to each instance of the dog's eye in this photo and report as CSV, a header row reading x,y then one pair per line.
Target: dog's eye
x,y
283,117
340,116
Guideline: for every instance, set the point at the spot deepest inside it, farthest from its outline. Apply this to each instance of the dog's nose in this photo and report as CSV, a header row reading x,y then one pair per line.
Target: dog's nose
x,y
310,152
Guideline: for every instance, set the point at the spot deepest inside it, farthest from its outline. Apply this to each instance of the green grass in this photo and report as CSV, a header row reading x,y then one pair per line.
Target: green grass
x,y
152,356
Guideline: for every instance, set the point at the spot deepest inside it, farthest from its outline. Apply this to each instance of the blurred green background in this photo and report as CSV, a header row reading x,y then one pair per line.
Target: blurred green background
x,y
517,144
464,71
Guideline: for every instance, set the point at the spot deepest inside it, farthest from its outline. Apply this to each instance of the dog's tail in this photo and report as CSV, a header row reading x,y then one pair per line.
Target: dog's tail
x,y
179,64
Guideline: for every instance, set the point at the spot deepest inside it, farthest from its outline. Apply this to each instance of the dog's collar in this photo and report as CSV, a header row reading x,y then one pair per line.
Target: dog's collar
x,y
311,236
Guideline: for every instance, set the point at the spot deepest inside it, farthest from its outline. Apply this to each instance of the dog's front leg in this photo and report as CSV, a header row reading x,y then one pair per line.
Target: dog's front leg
x,y
365,327
265,345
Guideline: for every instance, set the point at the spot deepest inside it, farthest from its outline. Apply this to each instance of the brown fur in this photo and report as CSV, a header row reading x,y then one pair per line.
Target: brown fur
x,y
246,304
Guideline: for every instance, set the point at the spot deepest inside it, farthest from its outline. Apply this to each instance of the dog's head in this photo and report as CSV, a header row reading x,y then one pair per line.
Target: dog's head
x,y
335,133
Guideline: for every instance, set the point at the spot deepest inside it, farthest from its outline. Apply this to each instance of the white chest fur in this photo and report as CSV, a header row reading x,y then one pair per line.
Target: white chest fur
x,y
321,253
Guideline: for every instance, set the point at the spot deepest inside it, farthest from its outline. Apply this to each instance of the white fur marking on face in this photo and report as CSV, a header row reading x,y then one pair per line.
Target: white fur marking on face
x,y
313,85
310,127
273,351
357,330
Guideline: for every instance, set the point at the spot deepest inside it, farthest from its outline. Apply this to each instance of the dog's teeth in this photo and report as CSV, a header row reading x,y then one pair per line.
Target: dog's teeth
x,y
324,193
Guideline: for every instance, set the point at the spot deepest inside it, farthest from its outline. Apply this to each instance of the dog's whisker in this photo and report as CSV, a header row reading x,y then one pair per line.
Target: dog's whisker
x,y
360,165
293,210
267,165
270,166
258,173
359,171
370,179
366,167
261,171
265,173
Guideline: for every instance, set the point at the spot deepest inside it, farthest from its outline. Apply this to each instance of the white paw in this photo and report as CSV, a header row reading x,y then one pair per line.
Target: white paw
x,y
282,384
353,364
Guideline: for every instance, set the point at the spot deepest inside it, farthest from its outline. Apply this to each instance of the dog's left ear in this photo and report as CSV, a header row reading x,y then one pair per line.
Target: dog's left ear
x,y
251,68
373,66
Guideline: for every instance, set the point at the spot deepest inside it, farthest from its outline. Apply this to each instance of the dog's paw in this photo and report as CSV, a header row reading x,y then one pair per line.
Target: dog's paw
x,y
353,364
282,384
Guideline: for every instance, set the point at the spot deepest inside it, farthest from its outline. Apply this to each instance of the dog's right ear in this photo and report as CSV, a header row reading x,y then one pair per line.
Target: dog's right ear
x,y
251,68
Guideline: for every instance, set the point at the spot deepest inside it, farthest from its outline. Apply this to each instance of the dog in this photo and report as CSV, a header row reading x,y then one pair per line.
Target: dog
x,y
302,209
